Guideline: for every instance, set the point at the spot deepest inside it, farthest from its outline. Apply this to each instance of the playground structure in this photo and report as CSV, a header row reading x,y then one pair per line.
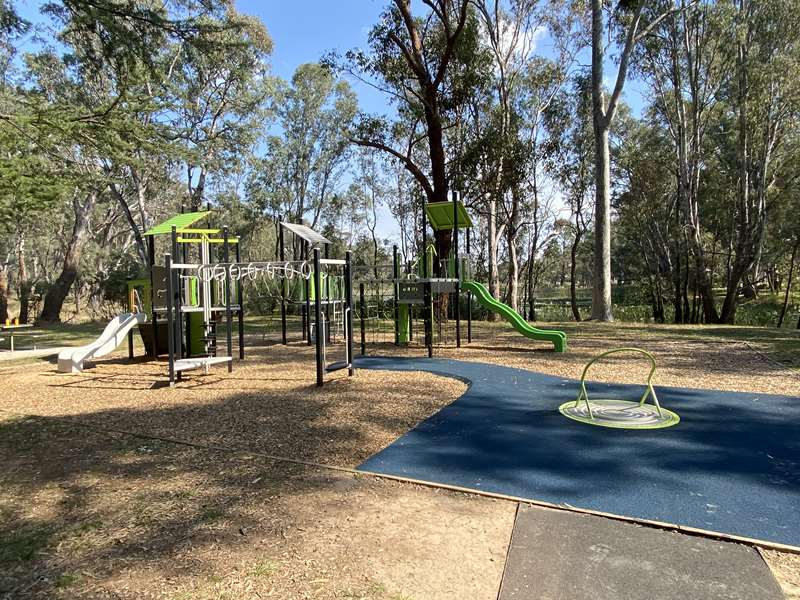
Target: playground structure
x,y
195,287
185,307
413,291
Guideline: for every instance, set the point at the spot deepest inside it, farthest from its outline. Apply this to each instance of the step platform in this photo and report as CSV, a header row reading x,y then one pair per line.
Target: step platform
x,y
188,364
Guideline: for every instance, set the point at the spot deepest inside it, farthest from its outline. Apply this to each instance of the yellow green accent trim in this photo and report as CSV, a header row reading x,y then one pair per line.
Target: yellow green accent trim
x,y
183,240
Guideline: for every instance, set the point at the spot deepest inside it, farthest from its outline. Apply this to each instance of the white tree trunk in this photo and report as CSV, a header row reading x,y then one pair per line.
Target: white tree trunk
x,y
601,294
494,273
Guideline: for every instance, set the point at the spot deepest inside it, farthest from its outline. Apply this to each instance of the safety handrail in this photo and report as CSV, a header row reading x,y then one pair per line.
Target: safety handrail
x,y
583,394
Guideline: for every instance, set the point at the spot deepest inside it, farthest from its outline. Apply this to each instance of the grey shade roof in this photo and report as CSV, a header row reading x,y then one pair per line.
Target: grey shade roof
x,y
306,233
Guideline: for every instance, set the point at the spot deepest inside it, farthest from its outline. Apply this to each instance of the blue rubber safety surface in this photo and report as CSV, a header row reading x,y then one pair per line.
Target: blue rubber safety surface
x,y
732,464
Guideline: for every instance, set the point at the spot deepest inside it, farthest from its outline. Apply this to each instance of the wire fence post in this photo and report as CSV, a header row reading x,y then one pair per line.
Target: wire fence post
x,y
228,311
283,283
456,198
170,326
348,321
469,296
363,322
320,335
240,302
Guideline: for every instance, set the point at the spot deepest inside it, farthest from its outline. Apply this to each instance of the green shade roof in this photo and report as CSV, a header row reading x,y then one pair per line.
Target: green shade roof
x,y
180,222
440,215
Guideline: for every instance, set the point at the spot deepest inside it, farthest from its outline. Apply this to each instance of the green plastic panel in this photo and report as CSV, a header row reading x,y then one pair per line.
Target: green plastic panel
x,y
197,331
404,324
440,215
179,222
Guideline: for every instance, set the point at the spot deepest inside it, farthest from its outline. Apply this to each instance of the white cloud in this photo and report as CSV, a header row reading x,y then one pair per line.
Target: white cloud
x,y
518,40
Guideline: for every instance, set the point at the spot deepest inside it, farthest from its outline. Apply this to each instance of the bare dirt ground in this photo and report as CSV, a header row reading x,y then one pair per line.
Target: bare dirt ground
x,y
86,514
88,511
268,404
97,500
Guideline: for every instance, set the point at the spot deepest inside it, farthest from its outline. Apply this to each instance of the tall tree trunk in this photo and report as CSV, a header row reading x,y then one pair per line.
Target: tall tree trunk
x,y
601,292
3,293
492,241
512,231
135,229
23,281
57,294
573,268
788,284
513,272
602,116
731,301
676,284
529,283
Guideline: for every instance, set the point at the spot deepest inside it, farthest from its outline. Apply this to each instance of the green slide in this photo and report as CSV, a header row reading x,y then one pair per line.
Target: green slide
x,y
559,338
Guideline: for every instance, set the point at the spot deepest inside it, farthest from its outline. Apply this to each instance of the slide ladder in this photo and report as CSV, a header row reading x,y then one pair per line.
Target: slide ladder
x,y
70,360
557,338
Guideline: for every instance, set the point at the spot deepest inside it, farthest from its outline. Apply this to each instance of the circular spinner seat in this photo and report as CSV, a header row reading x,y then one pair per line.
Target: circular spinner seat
x,y
618,413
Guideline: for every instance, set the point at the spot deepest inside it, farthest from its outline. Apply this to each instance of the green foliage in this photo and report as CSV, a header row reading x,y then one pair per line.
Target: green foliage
x,y
302,164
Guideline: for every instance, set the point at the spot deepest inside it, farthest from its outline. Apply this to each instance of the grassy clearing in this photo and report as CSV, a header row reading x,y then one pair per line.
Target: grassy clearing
x,y
57,334
780,345
50,335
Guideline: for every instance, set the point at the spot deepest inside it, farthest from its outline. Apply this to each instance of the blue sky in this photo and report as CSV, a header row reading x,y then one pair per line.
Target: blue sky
x,y
304,30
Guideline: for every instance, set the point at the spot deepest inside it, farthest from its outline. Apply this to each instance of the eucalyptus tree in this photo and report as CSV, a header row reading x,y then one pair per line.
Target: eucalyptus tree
x,y
523,86
65,114
649,228
404,204
765,105
569,122
306,155
627,18
428,65
216,85
686,66
373,189
96,111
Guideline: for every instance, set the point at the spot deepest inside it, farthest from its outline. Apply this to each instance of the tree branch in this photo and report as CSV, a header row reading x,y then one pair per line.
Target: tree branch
x,y
407,162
